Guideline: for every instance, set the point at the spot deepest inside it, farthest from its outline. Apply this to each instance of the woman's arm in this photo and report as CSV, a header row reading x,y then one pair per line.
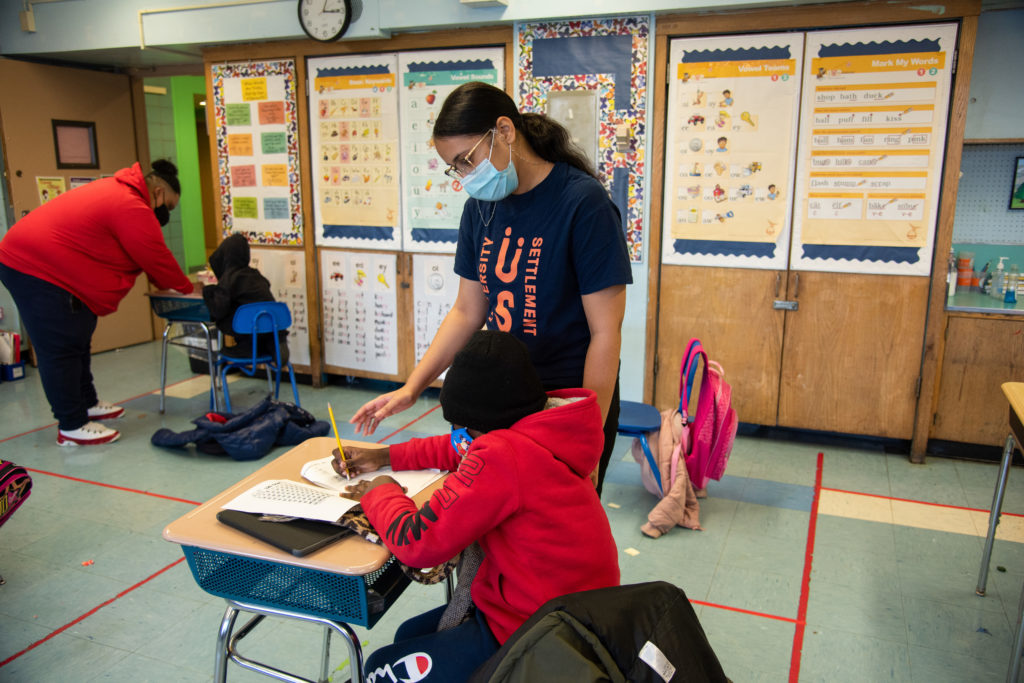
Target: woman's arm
x,y
605,310
466,317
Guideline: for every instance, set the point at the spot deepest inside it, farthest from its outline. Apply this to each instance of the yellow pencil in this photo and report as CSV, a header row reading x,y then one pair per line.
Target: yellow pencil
x,y
341,450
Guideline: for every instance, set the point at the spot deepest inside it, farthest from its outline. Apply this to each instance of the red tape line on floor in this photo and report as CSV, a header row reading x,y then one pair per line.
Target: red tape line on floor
x,y
745,611
407,425
113,486
88,614
920,502
801,613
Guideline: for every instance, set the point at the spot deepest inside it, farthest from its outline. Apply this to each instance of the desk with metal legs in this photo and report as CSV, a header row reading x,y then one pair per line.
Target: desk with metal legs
x,y
1014,392
351,581
180,309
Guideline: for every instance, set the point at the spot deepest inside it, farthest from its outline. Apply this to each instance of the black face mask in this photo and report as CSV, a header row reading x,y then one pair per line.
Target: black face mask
x,y
163,214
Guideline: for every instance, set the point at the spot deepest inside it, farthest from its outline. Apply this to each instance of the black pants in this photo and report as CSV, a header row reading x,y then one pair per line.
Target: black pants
x,y
611,427
421,653
60,327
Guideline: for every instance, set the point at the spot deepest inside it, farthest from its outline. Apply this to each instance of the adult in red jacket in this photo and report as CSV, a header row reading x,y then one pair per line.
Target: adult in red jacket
x,y
73,259
522,492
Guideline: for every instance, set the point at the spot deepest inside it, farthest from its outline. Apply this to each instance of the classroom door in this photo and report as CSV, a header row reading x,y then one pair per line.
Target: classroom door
x,y
851,353
730,310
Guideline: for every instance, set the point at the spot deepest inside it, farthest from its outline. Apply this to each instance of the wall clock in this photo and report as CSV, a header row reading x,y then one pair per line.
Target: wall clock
x,y
325,20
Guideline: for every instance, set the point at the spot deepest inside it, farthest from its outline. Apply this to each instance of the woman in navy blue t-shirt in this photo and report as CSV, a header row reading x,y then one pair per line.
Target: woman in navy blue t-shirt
x,y
541,254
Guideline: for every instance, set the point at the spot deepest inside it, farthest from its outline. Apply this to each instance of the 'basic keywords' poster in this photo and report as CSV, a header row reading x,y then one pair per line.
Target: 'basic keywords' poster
x,y
360,310
258,150
731,128
353,111
432,202
872,137
286,270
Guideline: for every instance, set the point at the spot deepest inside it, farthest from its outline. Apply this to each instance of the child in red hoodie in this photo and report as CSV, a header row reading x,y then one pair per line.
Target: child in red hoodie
x,y
521,493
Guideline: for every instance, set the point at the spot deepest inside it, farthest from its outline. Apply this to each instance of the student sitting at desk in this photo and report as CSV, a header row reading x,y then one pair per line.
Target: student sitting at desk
x,y
521,493
238,283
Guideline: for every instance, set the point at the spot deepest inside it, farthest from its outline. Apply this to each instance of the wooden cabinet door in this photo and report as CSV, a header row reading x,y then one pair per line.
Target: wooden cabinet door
x,y
730,311
980,355
852,353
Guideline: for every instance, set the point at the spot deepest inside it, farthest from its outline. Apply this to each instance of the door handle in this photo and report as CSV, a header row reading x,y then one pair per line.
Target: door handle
x,y
778,283
796,285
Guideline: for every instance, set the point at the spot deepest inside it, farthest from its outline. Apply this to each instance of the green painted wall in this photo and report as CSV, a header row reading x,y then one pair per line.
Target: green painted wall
x,y
171,122
182,92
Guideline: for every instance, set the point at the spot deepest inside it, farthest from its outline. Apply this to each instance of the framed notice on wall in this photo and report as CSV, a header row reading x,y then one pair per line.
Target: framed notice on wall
x,y
731,129
258,150
432,202
872,134
360,307
353,111
286,271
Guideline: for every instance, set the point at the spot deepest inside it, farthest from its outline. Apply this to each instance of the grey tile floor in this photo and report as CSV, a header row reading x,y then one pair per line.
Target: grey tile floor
x,y
788,585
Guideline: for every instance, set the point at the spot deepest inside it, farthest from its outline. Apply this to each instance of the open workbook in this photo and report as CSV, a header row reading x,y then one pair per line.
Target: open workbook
x,y
322,501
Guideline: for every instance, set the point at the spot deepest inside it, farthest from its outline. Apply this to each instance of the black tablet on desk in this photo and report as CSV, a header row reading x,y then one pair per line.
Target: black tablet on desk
x,y
298,537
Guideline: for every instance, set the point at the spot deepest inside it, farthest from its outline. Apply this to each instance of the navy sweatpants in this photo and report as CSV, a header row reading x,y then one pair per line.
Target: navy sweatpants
x,y
60,328
420,653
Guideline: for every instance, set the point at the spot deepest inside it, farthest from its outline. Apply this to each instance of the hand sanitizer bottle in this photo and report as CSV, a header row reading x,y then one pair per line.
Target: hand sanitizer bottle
x,y
1010,295
998,280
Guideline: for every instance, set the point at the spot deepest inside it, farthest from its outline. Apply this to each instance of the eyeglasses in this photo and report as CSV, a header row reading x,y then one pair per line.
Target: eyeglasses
x,y
462,166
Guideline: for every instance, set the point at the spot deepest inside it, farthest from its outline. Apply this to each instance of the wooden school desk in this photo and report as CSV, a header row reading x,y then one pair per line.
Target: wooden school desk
x,y
351,581
1014,392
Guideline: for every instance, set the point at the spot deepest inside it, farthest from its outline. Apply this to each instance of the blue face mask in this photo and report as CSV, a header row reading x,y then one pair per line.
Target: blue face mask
x,y
460,441
488,183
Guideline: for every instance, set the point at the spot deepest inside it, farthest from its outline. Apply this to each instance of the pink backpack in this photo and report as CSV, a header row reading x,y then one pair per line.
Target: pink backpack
x,y
706,441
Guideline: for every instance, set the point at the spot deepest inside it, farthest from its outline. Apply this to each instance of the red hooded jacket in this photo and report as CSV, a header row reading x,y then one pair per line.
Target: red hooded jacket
x,y
94,241
525,494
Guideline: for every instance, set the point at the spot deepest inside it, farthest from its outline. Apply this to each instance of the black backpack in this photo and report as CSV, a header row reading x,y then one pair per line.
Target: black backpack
x,y
642,633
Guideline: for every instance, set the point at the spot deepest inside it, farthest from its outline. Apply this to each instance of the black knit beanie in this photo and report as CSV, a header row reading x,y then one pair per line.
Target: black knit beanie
x,y
491,384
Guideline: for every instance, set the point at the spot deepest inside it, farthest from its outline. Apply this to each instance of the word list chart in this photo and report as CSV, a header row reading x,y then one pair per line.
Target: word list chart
x,y
435,286
360,306
286,271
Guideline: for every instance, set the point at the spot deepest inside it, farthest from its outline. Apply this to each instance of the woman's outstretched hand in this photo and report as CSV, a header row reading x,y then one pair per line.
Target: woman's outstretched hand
x,y
372,413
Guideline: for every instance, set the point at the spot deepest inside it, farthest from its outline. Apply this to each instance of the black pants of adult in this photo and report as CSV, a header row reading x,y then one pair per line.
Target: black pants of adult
x,y
611,427
60,328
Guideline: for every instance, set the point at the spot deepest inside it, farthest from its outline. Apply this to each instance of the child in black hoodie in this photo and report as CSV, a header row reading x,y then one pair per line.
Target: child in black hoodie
x,y
237,284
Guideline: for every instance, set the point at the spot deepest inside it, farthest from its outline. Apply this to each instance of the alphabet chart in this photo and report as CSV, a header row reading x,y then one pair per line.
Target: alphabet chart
x,y
360,306
353,110
286,270
432,202
435,286
872,136
733,105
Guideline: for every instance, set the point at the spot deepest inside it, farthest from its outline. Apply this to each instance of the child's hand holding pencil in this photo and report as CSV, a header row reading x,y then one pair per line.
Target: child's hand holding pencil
x,y
358,460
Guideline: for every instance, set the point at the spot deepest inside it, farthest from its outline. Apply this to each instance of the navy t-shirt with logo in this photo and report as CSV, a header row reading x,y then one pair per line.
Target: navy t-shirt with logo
x,y
535,255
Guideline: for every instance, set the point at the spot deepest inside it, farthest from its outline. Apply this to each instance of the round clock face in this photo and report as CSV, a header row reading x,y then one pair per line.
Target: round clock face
x,y
324,20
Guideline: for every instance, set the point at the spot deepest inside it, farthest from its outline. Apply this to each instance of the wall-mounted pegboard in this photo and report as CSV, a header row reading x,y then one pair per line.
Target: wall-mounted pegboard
x,y
983,198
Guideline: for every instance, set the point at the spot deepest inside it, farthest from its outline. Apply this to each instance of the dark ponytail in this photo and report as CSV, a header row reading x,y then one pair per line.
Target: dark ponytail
x,y
472,109
167,172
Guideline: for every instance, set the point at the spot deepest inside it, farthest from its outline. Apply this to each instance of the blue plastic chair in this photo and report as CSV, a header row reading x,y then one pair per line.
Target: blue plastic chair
x,y
636,419
263,317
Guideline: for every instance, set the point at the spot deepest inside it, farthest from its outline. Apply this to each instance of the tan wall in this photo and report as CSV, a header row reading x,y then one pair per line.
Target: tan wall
x,y
33,95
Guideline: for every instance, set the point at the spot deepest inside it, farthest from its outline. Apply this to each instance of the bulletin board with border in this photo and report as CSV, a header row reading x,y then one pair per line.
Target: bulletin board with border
x,y
609,57
257,136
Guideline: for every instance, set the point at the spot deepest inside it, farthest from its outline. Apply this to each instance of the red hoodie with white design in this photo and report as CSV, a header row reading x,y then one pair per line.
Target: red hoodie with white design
x,y
525,494
94,240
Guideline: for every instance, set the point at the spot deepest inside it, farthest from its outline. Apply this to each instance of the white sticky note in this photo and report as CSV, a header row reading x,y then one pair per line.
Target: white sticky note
x,y
657,660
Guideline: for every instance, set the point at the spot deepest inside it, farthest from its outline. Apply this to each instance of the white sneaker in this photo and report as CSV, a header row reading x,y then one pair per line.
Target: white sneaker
x,y
104,410
89,434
